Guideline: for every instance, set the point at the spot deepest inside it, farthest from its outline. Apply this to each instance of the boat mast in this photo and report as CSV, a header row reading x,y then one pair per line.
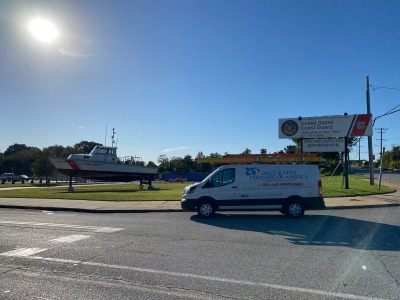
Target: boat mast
x,y
105,138
112,137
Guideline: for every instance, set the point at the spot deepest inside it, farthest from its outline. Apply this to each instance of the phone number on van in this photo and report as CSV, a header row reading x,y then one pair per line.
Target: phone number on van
x,y
266,184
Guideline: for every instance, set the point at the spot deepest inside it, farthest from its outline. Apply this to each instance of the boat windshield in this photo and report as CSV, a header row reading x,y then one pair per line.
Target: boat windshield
x,y
104,151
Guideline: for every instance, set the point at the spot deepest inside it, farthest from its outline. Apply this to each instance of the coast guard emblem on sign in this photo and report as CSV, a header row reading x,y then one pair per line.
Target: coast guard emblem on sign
x,y
289,128
361,125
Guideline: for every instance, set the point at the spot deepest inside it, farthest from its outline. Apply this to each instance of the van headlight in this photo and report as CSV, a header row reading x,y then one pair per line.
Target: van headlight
x,y
189,190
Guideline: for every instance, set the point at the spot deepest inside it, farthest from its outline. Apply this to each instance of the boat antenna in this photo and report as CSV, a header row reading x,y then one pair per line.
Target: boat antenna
x,y
112,137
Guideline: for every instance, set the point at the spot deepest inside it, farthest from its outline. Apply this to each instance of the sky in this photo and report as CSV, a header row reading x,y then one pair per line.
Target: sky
x,y
176,77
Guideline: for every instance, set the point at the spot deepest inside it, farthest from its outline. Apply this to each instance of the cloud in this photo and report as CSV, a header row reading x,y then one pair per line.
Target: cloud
x,y
73,54
174,149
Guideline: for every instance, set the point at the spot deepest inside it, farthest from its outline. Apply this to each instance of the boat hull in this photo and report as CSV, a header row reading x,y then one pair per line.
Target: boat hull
x,y
103,171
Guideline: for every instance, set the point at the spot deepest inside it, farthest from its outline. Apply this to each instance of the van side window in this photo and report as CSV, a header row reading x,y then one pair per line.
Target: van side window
x,y
224,177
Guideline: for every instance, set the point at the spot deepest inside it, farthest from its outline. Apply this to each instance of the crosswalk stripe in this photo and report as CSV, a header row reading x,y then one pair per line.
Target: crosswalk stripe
x,y
93,228
70,238
23,252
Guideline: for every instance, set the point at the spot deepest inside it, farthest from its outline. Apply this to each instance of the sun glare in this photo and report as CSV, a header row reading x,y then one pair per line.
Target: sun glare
x,y
43,30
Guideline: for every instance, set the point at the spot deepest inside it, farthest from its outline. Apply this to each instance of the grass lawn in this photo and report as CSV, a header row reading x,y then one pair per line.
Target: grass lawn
x,y
358,186
331,187
113,192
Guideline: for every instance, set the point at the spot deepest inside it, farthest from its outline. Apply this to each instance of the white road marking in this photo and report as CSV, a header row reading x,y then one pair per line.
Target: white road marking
x,y
212,278
23,252
70,238
91,228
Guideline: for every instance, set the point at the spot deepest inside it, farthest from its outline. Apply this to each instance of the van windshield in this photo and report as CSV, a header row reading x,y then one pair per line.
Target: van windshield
x,y
210,175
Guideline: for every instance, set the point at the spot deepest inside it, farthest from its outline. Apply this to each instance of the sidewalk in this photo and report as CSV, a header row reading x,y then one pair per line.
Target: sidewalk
x,y
385,200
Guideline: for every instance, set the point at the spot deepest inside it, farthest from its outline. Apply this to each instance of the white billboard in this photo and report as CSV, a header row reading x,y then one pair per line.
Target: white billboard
x,y
324,127
323,145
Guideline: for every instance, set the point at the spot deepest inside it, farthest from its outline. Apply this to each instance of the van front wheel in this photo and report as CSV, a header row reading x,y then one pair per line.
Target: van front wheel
x,y
294,209
205,209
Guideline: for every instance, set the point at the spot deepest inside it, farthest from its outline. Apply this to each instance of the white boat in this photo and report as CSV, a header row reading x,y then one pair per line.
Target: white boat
x,y
102,163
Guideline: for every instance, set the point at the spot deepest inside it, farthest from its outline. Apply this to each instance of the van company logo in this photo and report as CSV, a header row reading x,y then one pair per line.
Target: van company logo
x,y
252,171
290,128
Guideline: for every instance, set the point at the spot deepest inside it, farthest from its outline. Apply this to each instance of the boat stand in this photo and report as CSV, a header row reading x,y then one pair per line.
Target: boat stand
x,y
149,182
70,187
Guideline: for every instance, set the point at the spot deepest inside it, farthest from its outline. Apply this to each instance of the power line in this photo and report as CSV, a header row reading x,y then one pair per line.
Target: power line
x,y
392,111
383,87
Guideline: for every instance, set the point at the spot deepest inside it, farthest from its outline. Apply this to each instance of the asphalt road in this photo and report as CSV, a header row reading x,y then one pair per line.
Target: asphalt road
x,y
343,254
388,176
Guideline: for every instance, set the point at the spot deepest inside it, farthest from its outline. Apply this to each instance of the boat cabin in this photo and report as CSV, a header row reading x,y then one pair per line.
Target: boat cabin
x,y
98,153
106,154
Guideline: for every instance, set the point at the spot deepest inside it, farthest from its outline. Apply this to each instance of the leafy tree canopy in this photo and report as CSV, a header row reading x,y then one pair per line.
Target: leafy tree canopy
x,y
85,146
15,149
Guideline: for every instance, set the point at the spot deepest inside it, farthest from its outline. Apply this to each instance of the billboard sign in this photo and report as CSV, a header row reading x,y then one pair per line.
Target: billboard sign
x,y
323,145
327,126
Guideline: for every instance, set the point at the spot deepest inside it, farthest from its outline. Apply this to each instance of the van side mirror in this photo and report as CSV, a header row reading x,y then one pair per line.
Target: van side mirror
x,y
208,184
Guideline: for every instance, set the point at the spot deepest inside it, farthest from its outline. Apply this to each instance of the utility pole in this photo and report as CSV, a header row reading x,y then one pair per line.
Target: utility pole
x,y
381,131
370,150
382,156
380,172
346,161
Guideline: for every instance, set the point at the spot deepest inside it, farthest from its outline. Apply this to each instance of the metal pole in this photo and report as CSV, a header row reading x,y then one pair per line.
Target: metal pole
x,y
380,172
301,151
370,150
346,164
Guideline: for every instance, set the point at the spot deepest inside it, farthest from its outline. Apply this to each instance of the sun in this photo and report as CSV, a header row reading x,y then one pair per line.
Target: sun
x,y
43,30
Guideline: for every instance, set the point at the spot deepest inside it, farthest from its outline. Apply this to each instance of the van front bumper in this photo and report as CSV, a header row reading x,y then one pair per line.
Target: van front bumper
x,y
188,204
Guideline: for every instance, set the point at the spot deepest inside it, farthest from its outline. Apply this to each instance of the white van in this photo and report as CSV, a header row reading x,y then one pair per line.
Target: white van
x,y
290,189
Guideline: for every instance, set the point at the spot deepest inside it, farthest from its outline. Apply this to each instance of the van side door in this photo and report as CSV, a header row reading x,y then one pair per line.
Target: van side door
x,y
224,185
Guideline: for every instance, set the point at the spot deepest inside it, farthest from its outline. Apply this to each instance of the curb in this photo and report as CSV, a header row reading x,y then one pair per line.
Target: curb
x,y
361,206
119,211
88,210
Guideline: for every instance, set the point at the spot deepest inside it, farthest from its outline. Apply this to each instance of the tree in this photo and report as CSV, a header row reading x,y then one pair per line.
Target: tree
x,y
263,151
163,163
396,157
190,164
1,162
15,149
246,151
42,166
215,155
85,146
200,155
151,164
291,149
391,159
177,165
297,141
19,162
58,151
204,167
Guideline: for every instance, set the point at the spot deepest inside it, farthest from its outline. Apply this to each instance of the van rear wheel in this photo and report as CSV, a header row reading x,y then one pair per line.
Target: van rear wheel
x,y
206,209
294,209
